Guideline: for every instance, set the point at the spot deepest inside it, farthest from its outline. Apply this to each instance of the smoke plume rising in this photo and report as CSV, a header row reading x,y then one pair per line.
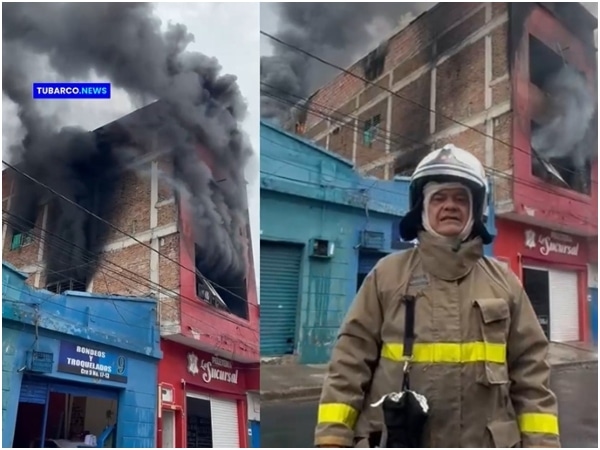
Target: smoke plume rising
x,y
123,43
336,32
569,111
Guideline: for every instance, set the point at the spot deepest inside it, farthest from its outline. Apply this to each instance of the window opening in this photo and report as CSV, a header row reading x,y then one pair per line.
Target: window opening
x,y
371,129
561,133
20,240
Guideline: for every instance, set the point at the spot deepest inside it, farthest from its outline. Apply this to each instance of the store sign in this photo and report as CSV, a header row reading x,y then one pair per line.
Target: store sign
x,y
554,242
214,369
92,362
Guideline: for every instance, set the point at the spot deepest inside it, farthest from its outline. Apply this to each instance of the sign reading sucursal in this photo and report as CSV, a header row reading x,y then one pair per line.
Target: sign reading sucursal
x,y
214,369
546,244
92,362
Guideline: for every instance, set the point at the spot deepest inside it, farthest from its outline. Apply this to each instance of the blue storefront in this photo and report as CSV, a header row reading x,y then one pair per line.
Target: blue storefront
x,y
78,369
323,227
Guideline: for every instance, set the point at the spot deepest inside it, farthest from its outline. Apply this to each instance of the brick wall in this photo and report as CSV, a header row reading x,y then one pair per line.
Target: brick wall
x,y
125,266
452,60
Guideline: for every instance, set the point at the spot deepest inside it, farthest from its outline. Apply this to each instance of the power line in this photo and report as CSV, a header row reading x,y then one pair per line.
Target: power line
x,y
138,280
41,301
91,257
427,108
498,173
160,303
147,283
363,190
114,227
490,170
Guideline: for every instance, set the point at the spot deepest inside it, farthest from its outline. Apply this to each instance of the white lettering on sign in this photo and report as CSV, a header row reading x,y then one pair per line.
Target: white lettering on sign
x,y
90,368
553,243
90,352
215,369
210,372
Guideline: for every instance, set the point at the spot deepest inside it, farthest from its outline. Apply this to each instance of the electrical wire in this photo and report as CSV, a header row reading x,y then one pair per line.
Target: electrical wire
x,y
35,295
496,187
490,170
114,227
406,99
386,140
89,256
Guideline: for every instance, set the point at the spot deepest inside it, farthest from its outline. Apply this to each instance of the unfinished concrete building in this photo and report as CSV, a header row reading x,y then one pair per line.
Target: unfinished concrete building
x,y
514,83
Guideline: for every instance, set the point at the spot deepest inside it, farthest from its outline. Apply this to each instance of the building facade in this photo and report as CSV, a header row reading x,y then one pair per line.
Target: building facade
x,y
495,79
77,364
156,253
553,267
323,228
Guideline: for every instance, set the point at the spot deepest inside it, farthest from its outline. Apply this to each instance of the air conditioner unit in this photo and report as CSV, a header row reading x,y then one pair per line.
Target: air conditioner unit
x,y
321,248
40,362
372,240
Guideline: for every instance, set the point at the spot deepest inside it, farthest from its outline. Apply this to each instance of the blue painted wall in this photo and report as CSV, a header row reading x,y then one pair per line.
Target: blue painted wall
x,y
254,428
306,193
115,324
593,314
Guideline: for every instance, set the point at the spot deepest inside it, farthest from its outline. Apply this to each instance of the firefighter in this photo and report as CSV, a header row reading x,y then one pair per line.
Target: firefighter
x,y
479,354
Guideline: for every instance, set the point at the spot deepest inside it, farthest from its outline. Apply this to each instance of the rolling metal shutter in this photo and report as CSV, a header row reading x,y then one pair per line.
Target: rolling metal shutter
x,y
224,417
279,292
33,392
37,390
564,307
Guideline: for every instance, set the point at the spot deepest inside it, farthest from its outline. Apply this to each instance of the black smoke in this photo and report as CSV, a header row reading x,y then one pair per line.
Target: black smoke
x,y
336,32
123,43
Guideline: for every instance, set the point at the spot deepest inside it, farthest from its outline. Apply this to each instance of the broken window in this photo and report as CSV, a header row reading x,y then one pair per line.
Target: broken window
x,y
370,130
58,287
229,295
562,112
374,63
20,240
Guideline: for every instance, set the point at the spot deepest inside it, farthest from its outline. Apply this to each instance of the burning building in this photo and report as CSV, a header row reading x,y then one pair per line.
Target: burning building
x,y
516,84
153,204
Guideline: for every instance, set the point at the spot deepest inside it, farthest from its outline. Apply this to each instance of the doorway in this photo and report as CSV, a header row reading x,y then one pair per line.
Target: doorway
x,y
199,423
64,415
168,429
536,283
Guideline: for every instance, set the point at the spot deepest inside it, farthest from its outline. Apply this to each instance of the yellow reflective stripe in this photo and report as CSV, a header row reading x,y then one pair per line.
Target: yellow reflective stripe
x,y
339,413
538,423
448,352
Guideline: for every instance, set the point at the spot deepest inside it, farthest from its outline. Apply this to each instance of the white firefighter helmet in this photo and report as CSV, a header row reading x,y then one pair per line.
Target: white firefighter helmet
x,y
447,164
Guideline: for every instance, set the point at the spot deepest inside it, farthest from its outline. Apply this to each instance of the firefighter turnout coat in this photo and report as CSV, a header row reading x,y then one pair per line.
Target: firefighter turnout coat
x,y
479,355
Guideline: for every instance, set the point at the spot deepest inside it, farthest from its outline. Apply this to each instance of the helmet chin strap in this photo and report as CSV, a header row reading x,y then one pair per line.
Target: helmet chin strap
x,y
429,190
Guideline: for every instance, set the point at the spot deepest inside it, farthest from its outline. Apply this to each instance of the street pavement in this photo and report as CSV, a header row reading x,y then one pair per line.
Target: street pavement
x,y
290,423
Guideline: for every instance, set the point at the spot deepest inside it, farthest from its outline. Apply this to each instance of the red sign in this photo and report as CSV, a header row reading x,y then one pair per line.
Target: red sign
x,y
213,368
188,368
552,245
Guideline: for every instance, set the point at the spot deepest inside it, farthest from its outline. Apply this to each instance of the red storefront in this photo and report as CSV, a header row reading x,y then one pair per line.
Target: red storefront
x,y
202,399
553,269
204,396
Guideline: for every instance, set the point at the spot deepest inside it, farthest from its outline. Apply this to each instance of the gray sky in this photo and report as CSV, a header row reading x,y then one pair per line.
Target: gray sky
x,y
269,23
227,31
